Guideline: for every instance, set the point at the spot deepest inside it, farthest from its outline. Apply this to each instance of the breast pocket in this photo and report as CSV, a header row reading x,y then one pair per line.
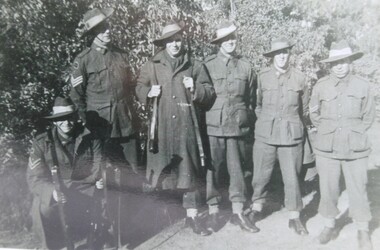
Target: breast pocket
x,y
328,103
270,95
96,77
217,80
354,104
293,95
241,84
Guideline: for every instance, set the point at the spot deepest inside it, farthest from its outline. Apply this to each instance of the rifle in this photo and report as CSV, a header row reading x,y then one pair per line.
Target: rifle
x,y
62,216
153,140
57,186
194,117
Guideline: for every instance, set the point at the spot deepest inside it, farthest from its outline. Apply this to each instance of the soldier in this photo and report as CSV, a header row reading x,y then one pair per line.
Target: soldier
x,y
103,90
78,158
342,109
228,121
179,82
282,101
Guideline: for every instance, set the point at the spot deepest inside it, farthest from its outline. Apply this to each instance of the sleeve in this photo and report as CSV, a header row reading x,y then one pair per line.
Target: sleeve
x,y
143,83
204,94
78,82
259,97
368,109
305,100
314,107
38,175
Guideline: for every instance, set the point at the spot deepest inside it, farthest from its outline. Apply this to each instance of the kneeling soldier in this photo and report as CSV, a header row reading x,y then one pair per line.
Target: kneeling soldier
x,y
63,174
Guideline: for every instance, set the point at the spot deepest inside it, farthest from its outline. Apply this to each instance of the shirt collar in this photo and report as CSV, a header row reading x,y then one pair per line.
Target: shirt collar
x,y
337,80
225,59
98,48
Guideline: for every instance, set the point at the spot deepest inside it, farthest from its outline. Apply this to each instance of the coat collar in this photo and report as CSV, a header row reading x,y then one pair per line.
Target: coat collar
x,y
160,58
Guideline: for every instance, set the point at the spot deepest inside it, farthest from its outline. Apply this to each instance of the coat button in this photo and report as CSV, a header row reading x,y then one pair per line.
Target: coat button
x,y
174,97
174,116
280,118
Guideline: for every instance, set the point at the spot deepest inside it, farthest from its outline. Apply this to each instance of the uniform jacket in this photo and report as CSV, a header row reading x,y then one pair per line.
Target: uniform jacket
x,y
342,110
78,172
234,82
177,144
102,83
282,101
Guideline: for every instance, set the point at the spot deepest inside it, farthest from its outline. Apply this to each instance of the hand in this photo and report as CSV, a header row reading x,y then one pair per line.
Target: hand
x,y
155,91
60,198
189,83
100,184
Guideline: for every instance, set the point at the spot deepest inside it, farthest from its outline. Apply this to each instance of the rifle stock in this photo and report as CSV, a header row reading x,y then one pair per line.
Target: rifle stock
x,y
153,140
62,216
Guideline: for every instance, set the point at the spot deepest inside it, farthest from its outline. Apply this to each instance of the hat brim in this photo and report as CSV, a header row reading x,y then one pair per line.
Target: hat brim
x,y
353,57
107,12
161,41
60,116
218,39
274,52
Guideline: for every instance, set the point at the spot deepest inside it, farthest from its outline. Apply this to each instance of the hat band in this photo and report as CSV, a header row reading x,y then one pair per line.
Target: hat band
x,y
170,28
340,52
95,20
63,109
225,31
280,45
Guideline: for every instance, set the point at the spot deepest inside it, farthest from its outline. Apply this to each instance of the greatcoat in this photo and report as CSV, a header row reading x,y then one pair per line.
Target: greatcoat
x,y
177,144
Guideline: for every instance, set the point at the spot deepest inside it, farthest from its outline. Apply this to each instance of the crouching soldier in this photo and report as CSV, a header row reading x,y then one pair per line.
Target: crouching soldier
x,y
342,109
63,175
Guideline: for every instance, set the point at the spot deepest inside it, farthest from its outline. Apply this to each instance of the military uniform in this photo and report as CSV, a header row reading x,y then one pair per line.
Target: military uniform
x,y
79,165
282,100
228,121
103,90
176,165
342,110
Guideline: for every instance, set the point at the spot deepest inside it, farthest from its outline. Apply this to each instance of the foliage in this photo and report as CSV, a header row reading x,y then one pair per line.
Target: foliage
x,y
38,43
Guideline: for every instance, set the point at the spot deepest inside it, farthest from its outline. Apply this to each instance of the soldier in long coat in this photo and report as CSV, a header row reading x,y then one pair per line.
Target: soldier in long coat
x,y
282,102
78,160
342,109
179,82
102,88
228,121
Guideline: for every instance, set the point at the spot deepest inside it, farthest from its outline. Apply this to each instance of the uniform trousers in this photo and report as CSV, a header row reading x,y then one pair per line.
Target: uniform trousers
x,y
226,152
355,176
290,160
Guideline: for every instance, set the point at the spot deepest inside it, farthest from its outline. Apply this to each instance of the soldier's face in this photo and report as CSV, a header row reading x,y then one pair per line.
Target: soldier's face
x,y
103,32
65,126
281,59
228,45
341,68
174,45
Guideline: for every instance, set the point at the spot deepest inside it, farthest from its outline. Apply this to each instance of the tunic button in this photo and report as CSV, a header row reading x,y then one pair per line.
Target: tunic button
x,y
174,97
340,128
339,116
280,118
339,104
174,116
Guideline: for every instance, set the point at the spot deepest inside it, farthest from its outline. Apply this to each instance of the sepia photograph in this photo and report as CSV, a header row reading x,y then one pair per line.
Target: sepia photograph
x,y
179,124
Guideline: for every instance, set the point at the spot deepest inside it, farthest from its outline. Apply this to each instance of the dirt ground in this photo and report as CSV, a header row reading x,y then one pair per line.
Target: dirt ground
x,y
156,222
